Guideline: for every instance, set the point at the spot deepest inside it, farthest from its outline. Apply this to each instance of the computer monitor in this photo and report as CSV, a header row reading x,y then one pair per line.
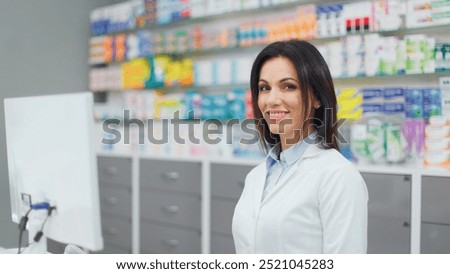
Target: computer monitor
x,y
51,158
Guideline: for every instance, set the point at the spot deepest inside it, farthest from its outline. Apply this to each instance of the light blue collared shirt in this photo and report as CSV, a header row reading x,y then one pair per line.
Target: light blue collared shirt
x,y
276,167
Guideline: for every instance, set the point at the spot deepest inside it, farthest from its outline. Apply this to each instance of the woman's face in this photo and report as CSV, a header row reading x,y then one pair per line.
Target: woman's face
x,y
280,99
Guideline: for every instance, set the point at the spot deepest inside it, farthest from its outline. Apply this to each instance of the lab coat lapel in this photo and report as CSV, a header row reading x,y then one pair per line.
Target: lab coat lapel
x,y
284,177
259,188
311,151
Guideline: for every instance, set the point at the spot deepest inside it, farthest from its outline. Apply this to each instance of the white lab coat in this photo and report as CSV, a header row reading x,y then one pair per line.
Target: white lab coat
x,y
319,205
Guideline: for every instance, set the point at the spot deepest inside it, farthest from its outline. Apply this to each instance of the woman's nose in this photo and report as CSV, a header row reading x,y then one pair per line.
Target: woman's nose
x,y
274,97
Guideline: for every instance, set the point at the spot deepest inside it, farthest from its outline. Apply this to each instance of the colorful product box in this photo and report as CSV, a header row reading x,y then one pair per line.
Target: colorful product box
x,y
414,103
350,104
388,14
193,104
372,108
394,94
214,107
442,56
431,103
444,85
236,104
372,94
388,56
394,108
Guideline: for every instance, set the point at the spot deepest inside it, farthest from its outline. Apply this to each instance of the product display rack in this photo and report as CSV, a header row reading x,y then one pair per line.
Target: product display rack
x,y
190,22
416,176
336,80
220,50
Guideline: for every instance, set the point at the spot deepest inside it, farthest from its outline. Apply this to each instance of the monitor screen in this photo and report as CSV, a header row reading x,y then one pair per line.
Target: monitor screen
x,y
51,158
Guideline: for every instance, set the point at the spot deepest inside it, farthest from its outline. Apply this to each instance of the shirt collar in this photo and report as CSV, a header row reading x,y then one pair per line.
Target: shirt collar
x,y
292,154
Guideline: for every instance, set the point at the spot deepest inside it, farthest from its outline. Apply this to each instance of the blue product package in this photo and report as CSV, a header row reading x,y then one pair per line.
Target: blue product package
x,y
432,105
414,111
372,94
219,109
144,46
393,93
319,11
372,107
394,108
431,110
432,96
414,96
236,104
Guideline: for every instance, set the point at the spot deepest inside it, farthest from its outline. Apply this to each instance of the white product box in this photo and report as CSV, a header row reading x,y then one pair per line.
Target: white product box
x,y
444,85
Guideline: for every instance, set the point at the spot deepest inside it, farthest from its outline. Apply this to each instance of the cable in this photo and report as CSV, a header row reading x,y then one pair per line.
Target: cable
x,y
24,220
40,233
22,226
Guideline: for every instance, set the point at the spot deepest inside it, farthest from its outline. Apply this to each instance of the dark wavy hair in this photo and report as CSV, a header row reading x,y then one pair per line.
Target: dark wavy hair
x,y
315,82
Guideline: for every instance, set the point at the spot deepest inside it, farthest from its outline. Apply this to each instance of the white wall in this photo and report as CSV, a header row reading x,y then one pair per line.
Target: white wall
x,y
43,50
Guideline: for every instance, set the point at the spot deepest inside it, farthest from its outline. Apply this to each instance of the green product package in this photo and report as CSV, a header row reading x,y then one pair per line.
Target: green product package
x,y
396,145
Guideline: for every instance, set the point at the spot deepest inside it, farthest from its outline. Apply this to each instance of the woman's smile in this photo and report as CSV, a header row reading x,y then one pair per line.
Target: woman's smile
x,y
277,114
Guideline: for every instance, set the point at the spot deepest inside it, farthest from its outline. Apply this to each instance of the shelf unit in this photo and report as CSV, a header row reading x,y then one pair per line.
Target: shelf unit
x,y
412,173
222,50
189,22
337,81
209,18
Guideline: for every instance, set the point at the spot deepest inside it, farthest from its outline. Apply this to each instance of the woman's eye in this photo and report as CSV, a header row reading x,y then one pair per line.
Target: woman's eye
x,y
264,88
290,87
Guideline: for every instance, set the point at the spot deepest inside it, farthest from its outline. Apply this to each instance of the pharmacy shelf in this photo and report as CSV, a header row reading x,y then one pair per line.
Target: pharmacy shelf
x,y
390,169
195,159
229,15
237,161
245,12
442,28
124,31
279,7
435,172
213,17
393,169
115,154
204,87
408,80
414,173
318,40
175,89
337,80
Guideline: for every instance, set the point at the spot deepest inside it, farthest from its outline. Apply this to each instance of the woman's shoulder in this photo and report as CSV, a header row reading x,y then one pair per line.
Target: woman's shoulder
x,y
339,173
261,167
333,160
251,179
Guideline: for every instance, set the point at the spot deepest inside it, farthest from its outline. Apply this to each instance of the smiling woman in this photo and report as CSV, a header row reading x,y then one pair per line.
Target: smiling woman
x,y
299,66
281,104
306,197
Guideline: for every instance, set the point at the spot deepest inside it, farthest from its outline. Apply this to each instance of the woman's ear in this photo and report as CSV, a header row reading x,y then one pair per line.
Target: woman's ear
x,y
317,103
